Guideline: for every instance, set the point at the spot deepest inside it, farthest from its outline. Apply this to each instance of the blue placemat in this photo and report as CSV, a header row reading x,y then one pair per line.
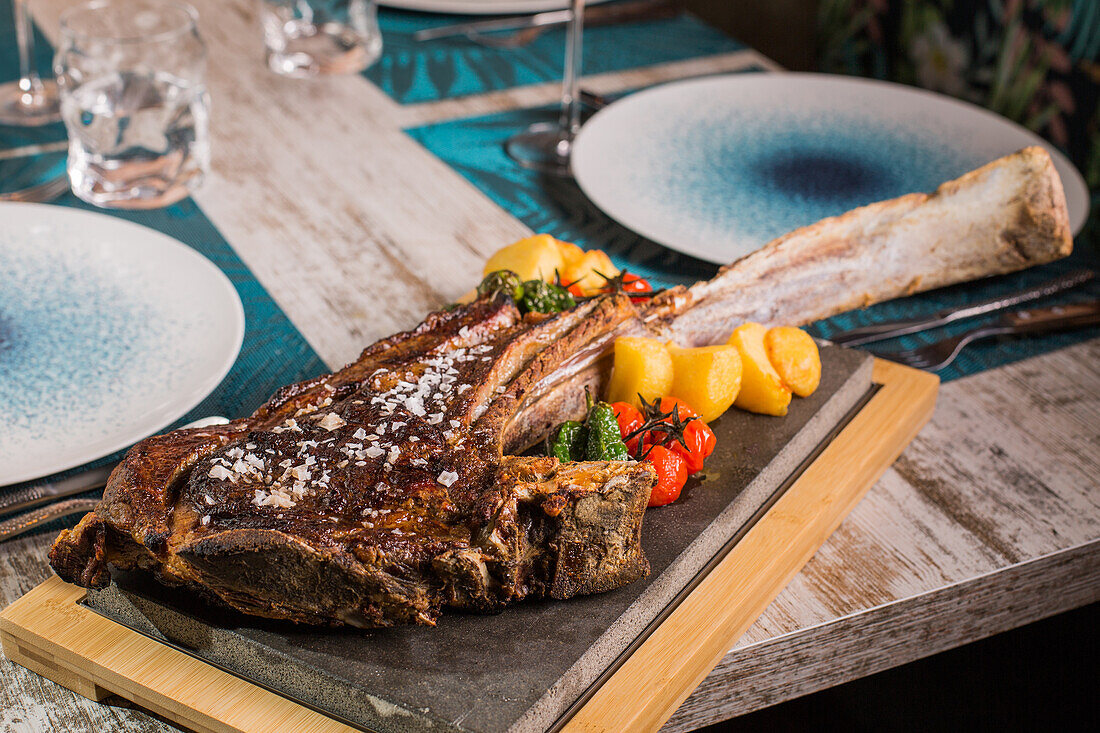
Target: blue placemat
x,y
411,71
273,353
546,204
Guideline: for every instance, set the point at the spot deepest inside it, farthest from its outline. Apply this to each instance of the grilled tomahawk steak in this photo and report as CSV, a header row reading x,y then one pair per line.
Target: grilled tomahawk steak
x,y
387,491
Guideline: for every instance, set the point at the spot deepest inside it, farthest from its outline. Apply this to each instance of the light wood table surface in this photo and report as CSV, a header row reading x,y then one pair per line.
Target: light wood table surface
x,y
988,521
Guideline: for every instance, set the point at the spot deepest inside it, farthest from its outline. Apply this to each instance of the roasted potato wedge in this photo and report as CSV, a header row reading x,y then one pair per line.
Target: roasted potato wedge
x,y
708,378
795,357
762,389
586,271
533,258
642,366
571,255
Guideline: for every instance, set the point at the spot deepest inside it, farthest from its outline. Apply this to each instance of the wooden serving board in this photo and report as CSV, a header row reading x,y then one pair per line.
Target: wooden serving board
x,y
52,632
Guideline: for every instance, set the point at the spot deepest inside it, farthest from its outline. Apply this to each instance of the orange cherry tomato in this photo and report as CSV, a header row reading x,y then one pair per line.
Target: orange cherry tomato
x,y
628,416
672,474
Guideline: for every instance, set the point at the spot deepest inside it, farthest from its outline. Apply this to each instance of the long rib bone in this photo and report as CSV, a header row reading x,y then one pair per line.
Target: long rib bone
x,y
1002,217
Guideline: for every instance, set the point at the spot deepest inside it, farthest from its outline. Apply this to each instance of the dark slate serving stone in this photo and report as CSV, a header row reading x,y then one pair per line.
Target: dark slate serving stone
x,y
524,669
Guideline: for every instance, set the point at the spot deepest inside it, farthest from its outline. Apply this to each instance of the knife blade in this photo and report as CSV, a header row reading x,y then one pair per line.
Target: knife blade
x,y
516,23
31,496
11,528
891,329
598,15
27,151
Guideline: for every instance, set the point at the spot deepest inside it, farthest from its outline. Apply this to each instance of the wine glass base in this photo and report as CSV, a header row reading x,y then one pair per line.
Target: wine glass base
x,y
544,147
21,108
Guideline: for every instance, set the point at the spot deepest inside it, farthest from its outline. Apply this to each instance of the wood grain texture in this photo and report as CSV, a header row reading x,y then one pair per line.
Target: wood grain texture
x,y
50,633
782,668
988,521
356,230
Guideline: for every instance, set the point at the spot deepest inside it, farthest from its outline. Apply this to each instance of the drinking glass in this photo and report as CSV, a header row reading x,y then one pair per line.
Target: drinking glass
x,y
29,101
134,102
546,146
305,38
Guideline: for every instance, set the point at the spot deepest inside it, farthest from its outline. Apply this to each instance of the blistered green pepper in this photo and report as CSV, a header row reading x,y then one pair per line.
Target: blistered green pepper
x,y
605,442
568,442
540,296
502,281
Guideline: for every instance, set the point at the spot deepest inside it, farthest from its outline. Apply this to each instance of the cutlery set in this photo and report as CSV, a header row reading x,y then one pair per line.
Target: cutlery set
x,y
1039,320
941,353
36,500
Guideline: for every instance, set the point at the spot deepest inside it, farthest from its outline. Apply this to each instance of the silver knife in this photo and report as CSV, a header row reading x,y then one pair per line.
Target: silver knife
x,y
23,523
599,15
30,497
890,329
515,23
28,150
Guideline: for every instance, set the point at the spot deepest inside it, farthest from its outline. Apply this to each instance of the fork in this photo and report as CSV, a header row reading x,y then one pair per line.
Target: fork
x,y
1038,320
41,193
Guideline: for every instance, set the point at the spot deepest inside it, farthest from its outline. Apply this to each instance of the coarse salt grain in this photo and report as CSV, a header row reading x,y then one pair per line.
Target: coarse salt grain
x,y
331,422
219,472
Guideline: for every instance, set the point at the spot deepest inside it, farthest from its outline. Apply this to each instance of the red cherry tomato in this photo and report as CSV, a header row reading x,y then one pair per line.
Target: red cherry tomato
x,y
628,416
698,436
671,475
575,291
683,409
700,444
634,284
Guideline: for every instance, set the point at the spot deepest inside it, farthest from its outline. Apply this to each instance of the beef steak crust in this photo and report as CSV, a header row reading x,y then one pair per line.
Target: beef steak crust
x,y
380,494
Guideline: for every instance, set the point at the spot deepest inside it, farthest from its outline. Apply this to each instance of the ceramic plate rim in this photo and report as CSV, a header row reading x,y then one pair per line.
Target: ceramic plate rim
x,y
481,7
584,175
152,422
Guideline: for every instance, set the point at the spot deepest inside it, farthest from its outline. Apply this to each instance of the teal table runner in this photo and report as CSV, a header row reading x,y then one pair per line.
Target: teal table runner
x,y
411,71
558,207
273,353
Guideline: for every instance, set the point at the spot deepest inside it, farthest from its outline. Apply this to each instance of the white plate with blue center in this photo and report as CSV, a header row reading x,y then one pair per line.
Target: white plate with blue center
x,y
109,332
716,167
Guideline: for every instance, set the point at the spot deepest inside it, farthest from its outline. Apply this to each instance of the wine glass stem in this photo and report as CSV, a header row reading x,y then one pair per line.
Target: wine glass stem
x,y
570,94
24,39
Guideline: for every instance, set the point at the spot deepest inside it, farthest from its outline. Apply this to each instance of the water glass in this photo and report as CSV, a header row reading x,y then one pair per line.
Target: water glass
x,y
131,76
305,38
